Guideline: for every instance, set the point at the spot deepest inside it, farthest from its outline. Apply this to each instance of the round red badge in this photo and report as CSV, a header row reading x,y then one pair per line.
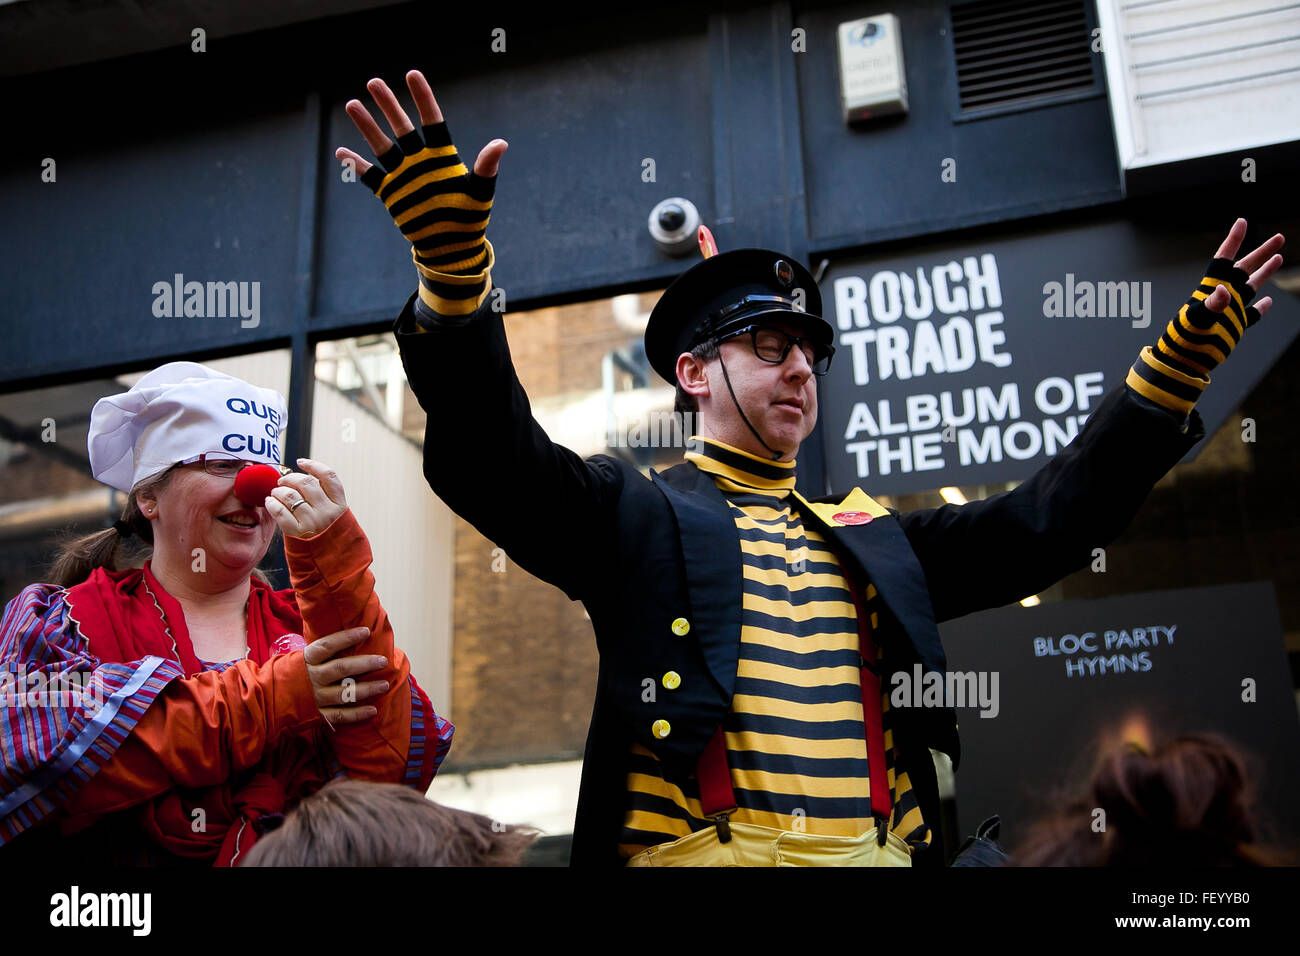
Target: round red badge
x,y
852,517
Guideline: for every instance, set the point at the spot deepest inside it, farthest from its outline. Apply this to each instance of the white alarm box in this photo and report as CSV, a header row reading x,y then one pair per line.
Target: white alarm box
x,y
872,80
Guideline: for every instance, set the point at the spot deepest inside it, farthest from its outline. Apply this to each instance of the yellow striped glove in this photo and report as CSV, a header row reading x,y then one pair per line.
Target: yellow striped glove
x,y
1176,371
443,208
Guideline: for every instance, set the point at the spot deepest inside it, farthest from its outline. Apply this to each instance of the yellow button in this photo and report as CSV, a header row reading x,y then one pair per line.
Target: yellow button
x,y
660,729
681,627
672,680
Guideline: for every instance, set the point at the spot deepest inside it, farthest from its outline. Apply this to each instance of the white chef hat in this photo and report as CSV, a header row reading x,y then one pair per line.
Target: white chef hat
x,y
177,411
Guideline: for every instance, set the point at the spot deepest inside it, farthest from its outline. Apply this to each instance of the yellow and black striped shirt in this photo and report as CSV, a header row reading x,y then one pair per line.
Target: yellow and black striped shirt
x,y
796,743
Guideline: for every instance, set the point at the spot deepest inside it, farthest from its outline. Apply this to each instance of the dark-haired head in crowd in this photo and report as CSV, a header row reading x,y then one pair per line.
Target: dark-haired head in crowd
x,y
1187,802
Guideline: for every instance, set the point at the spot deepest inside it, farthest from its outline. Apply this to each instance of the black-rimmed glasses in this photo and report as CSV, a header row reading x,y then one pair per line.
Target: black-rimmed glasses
x,y
773,345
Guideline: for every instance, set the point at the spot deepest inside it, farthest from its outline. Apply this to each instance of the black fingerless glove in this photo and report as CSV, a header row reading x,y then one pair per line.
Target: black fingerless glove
x,y
443,209
1176,371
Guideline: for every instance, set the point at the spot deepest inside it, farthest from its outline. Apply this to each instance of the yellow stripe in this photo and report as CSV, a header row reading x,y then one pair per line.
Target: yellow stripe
x,y
1234,300
779,577
1164,350
838,749
801,612
452,306
656,823
1149,356
1157,395
782,549
449,279
815,677
1219,353
659,787
811,713
791,530
439,228
777,511
848,827
432,176
764,548
830,641
793,783
473,262
911,820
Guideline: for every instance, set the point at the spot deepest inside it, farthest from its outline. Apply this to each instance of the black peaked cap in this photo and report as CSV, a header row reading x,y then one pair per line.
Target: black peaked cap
x,y
681,318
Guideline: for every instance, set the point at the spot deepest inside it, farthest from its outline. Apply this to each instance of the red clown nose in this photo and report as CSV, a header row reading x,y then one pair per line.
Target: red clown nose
x,y
254,483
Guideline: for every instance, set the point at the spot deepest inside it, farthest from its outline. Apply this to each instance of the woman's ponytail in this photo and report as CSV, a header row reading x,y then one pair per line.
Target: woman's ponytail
x,y
76,558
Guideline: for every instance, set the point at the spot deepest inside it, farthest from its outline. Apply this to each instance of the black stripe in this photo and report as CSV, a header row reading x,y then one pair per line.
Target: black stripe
x,y
1163,382
789,727
643,763
1202,336
781,562
1188,355
827,808
649,837
757,534
775,500
828,694
420,168
826,768
429,250
808,628
456,255
779,592
639,800
760,469
447,291
782,520
444,213
804,662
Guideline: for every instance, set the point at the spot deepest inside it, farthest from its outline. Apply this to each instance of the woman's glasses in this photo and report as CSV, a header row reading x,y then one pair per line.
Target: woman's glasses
x,y
224,465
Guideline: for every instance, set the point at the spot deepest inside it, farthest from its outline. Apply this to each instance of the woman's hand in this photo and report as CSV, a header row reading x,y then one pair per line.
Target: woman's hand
x,y
304,505
339,694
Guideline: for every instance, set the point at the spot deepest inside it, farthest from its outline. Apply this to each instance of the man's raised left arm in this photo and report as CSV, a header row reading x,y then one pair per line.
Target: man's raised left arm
x,y
1006,547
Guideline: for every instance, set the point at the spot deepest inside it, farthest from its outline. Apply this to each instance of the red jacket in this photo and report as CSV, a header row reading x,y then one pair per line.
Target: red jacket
x,y
194,757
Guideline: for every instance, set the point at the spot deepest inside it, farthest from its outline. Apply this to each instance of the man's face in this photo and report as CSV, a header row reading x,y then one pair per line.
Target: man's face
x,y
780,400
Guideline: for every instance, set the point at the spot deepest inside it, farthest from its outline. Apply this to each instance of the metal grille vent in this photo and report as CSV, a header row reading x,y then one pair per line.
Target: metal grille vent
x,y
1020,51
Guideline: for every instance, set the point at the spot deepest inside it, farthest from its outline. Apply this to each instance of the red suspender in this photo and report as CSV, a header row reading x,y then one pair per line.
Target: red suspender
x,y
718,799
716,795
872,710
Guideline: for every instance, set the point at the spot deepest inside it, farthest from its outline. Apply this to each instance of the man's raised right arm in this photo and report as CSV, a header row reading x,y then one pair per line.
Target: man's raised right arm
x,y
484,454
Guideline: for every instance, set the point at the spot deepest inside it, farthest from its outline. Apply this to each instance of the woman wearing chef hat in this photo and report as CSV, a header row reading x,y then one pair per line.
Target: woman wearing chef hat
x,y
180,708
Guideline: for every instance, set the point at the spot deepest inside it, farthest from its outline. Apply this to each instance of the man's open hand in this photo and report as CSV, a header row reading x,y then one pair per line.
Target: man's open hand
x,y
439,205
1208,326
1214,319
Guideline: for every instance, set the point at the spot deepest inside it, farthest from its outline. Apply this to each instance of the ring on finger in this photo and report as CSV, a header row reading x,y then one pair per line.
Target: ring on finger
x,y
297,504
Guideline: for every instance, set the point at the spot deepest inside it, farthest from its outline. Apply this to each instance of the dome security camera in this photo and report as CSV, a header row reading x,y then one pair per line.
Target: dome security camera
x,y
673,226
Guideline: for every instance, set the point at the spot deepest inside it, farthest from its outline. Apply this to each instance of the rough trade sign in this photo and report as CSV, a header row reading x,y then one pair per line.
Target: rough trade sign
x,y
975,363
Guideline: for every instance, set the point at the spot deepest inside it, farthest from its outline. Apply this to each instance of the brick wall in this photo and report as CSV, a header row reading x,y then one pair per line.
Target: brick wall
x,y
523,655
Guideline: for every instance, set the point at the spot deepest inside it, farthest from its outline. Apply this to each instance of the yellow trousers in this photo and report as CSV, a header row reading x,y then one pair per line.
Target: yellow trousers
x,y
752,845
